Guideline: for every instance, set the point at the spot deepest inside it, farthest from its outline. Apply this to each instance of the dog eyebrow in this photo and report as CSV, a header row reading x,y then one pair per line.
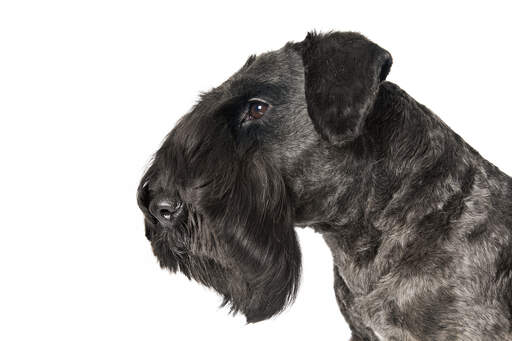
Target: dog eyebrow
x,y
249,87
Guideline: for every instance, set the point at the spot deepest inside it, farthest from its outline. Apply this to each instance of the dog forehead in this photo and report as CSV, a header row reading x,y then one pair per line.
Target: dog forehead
x,y
283,66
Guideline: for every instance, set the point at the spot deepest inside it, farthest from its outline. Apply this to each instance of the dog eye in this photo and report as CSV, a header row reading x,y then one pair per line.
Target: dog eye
x,y
256,109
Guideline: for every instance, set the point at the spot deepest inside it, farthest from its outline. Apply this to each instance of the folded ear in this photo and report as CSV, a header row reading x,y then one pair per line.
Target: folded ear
x,y
343,72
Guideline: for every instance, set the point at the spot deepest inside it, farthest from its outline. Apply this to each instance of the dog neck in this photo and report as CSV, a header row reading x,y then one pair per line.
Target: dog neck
x,y
387,179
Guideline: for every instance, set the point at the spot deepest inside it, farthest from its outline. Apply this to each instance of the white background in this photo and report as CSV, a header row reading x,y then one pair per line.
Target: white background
x,y
88,90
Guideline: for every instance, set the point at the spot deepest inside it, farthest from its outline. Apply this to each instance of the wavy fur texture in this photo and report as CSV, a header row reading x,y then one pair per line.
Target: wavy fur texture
x,y
419,224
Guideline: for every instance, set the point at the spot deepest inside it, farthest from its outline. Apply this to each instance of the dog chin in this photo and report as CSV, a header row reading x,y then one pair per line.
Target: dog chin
x,y
258,294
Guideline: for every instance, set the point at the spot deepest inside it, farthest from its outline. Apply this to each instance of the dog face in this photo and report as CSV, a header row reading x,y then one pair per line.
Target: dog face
x,y
221,196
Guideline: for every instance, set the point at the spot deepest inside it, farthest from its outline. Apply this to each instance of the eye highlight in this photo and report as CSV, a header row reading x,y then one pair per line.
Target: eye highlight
x,y
256,109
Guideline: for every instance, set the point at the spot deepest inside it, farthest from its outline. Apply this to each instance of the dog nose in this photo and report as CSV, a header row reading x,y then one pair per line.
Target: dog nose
x,y
165,210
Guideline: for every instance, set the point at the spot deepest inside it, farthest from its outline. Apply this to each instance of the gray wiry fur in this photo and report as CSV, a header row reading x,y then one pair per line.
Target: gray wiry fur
x,y
419,224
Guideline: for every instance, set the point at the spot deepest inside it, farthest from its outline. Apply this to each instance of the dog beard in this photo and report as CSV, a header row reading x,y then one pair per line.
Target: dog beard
x,y
235,231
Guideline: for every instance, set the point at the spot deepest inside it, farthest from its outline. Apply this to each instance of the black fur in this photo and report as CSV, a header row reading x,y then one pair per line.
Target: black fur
x,y
418,222
342,75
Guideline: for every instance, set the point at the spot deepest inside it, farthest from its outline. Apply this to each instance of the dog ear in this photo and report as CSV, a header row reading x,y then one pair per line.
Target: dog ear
x,y
343,72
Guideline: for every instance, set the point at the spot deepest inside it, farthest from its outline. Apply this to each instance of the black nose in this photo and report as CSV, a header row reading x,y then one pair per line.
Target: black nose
x,y
165,210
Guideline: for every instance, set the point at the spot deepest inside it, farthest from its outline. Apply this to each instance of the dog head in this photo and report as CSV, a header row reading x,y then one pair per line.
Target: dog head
x,y
220,198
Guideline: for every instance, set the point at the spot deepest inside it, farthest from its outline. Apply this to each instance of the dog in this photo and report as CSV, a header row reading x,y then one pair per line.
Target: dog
x,y
312,135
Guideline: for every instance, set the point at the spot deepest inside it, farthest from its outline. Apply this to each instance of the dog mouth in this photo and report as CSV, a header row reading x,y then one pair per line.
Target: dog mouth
x,y
172,254
205,227
253,290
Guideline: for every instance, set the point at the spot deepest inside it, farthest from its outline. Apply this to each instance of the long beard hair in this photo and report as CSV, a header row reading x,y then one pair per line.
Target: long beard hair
x,y
235,232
